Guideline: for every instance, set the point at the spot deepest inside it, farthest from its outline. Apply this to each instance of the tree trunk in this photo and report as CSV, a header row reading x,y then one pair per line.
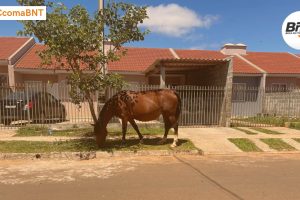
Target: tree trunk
x,y
91,105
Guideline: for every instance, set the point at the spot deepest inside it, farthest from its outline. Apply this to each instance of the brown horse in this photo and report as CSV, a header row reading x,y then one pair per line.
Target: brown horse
x,y
142,106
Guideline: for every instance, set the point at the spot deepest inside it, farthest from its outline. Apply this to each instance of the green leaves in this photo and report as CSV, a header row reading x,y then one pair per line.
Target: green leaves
x,y
74,41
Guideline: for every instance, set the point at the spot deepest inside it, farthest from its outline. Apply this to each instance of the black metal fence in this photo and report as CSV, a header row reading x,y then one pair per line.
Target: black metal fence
x,y
265,107
37,103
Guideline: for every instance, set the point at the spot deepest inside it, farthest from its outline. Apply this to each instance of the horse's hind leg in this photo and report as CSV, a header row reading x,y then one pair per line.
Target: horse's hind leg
x,y
167,128
175,141
170,122
124,130
133,124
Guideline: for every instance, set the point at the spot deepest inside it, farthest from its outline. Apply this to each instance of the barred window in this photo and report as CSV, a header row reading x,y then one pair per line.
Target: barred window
x,y
3,79
279,87
238,91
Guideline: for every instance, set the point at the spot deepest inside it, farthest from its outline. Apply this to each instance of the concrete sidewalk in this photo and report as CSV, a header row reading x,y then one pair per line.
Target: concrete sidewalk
x,y
210,140
215,140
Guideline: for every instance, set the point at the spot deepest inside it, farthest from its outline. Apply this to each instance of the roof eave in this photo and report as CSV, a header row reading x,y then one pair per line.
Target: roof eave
x,y
184,61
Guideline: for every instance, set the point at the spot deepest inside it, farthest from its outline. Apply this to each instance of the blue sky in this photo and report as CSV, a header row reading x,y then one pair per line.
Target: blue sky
x,y
203,24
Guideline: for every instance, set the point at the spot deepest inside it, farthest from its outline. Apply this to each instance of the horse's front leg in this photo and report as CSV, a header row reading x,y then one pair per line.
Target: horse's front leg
x,y
133,124
124,130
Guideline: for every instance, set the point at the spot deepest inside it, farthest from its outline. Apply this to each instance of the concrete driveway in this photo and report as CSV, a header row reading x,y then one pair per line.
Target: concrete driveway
x,y
215,140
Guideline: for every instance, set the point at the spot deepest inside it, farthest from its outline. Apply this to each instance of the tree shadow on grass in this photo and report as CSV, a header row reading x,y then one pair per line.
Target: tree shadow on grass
x,y
132,144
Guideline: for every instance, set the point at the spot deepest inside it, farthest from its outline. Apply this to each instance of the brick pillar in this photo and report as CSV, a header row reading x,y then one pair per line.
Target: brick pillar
x,y
162,77
226,106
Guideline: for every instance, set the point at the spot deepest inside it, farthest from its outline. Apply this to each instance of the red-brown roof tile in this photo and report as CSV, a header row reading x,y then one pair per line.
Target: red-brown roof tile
x,y
239,66
201,54
275,63
31,59
9,45
139,59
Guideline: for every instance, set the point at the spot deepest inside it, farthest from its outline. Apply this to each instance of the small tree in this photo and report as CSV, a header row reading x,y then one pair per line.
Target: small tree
x,y
74,41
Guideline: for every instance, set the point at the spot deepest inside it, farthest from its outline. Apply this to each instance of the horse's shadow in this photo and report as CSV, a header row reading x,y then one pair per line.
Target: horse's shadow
x,y
131,144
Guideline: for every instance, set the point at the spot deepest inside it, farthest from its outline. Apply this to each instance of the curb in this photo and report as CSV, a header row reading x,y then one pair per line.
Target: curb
x,y
93,154
251,153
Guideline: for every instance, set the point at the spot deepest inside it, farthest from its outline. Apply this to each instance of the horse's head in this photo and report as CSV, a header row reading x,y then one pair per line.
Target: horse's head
x,y
101,133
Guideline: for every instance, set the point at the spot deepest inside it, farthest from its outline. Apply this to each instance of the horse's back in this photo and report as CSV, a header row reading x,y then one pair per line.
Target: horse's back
x,y
155,102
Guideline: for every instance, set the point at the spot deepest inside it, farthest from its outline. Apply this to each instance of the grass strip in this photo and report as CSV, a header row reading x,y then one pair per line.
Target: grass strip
x,y
295,125
245,144
278,144
245,131
44,131
83,132
266,131
82,145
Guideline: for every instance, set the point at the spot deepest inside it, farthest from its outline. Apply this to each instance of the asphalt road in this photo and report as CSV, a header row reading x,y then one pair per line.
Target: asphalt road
x,y
189,177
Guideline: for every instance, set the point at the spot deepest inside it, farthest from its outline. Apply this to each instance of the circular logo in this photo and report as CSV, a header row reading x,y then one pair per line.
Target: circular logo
x,y
291,30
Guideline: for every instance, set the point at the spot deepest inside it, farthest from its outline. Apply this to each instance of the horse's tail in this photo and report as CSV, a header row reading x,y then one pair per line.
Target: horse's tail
x,y
178,109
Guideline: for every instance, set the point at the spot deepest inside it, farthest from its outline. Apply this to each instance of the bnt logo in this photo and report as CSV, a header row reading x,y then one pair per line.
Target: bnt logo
x,y
291,30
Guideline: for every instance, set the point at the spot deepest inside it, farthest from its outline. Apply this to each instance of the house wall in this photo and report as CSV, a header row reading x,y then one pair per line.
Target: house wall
x,y
135,78
251,81
44,78
170,80
289,81
252,102
3,69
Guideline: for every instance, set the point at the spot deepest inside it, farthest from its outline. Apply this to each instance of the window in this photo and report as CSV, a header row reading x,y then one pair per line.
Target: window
x,y
238,91
279,87
3,79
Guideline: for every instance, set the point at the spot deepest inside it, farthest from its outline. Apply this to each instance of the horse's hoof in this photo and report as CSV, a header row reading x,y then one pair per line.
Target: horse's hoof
x,y
141,141
173,145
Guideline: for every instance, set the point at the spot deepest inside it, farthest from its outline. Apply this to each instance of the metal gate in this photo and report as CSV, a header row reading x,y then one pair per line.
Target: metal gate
x,y
201,105
273,106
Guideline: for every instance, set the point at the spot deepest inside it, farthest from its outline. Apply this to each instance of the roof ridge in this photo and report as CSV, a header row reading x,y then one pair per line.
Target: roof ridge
x,y
216,51
250,63
174,53
30,39
293,55
145,48
269,52
25,54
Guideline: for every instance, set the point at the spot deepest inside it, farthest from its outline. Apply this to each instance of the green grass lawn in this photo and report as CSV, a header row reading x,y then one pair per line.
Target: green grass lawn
x,y
82,145
278,144
84,132
295,125
43,131
266,131
245,131
245,144
276,121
